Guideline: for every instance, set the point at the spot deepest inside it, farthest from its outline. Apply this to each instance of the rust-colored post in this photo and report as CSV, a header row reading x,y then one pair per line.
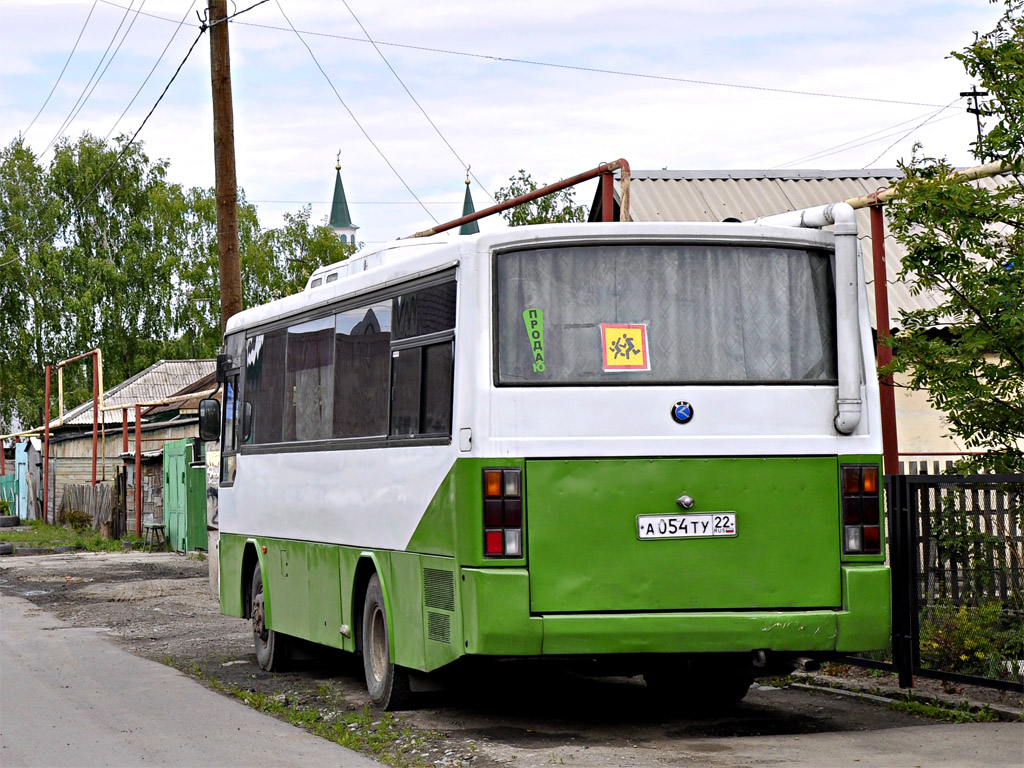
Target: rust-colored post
x,y
890,442
46,448
124,430
224,164
607,197
95,411
138,470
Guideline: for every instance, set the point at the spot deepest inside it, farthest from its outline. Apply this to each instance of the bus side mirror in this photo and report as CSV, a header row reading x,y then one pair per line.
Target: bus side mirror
x,y
209,419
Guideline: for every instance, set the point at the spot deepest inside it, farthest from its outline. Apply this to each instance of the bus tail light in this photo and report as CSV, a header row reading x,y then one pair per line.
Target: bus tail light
x,y
503,512
862,527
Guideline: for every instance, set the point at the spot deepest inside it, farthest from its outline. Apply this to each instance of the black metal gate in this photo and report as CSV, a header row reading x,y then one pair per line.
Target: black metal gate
x,y
956,548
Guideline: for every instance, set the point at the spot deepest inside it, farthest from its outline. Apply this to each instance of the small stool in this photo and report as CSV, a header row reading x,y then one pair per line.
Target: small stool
x,y
154,534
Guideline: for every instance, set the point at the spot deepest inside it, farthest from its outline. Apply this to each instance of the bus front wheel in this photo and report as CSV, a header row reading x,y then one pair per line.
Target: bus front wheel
x,y
387,683
270,645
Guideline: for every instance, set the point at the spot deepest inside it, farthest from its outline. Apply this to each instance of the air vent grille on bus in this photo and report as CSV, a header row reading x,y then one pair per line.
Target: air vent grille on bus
x,y
439,627
439,589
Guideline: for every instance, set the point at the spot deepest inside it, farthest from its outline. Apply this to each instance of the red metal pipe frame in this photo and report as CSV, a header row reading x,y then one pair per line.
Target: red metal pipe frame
x,y
95,410
46,448
603,168
138,470
46,427
890,441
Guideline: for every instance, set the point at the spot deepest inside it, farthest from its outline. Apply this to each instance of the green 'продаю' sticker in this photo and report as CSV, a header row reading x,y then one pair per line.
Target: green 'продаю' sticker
x,y
534,319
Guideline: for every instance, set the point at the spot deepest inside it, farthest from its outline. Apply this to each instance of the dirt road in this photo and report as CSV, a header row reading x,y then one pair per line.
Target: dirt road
x,y
161,607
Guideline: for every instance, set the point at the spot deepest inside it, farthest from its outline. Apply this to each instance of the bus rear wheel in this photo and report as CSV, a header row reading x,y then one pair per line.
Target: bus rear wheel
x,y
387,683
270,645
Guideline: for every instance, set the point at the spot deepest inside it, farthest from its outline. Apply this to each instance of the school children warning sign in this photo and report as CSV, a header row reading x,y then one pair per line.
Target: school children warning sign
x,y
624,347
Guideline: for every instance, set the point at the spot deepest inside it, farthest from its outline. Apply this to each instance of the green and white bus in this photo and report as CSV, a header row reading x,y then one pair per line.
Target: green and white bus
x,y
655,444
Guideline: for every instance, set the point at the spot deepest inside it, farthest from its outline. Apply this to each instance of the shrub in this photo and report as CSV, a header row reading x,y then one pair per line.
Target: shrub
x,y
972,640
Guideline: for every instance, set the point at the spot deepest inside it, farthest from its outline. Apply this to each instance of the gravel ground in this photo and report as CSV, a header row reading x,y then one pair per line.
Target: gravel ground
x,y
161,606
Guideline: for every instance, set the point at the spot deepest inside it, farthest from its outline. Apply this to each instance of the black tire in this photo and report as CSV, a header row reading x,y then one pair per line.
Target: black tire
x,y
271,651
700,687
9,521
6,548
387,683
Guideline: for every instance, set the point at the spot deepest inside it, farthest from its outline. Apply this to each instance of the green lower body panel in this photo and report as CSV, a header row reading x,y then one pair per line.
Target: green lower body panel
x,y
496,621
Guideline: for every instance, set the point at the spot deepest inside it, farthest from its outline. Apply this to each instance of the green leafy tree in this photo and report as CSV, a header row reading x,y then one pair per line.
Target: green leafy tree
x,y
98,253
554,208
27,254
967,241
299,248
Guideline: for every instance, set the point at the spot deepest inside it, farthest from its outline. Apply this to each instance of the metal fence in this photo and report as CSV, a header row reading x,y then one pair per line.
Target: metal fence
x,y
956,548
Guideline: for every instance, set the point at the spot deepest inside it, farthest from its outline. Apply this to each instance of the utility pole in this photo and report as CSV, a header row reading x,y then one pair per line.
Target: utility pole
x,y
224,162
974,95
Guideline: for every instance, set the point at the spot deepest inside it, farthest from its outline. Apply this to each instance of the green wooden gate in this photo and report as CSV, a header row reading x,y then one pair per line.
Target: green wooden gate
x,y
184,496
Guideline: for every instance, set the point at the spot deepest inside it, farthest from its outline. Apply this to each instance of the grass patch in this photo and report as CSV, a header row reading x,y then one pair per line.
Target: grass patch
x,y
44,535
379,734
937,710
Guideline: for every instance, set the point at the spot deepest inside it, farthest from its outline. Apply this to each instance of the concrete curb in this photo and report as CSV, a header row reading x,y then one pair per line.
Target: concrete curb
x,y
1003,712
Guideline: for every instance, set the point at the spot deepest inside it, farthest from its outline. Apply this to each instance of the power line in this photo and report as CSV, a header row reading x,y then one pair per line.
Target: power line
x,y
352,115
860,141
920,125
124,149
596,70
77,207
437,130
151,71
73,113
63,69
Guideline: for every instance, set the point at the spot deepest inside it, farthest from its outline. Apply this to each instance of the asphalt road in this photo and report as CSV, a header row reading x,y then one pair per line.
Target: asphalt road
x,y
71,697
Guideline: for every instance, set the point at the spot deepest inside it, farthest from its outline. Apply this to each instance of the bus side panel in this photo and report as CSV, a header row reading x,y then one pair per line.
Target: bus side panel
x,y
453,523
435,533
425,611
324,590
286,578
230,549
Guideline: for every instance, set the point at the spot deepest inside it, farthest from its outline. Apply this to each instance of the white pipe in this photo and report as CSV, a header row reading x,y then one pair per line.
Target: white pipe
x,y
848,403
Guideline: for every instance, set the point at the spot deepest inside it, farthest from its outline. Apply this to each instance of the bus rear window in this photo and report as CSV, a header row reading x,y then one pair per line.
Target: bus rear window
x,y
665,314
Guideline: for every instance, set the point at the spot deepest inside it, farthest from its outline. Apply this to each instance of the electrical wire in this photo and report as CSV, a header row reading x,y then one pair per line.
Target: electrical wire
x,y
352,115
596,70
64,69
73,113
77,207
912,130
860,141
177,29
124,149
437,130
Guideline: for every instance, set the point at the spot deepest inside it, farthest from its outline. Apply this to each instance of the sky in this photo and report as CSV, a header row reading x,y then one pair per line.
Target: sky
x,y
552,87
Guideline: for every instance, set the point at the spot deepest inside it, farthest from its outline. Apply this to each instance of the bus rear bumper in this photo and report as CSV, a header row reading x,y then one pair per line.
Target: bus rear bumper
x,y
497,621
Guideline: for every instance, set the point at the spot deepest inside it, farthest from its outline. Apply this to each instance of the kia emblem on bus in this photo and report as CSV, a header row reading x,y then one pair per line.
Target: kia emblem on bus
x,y
682,412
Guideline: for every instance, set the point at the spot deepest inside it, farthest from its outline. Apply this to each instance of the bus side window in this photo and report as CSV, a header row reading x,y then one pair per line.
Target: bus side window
x,y
229,431
422,365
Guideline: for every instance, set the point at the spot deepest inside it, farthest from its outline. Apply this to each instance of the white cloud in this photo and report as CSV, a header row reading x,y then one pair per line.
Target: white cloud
x,y
499,115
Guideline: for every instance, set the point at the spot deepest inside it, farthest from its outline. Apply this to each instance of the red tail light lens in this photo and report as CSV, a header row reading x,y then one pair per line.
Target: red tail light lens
x,y
862,530
503,512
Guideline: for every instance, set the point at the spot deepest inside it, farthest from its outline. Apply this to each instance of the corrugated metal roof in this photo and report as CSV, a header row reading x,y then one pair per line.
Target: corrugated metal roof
x,y
162,379
744,195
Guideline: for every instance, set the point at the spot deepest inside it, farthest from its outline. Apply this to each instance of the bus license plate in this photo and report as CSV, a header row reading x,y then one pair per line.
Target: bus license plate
x,y
686,526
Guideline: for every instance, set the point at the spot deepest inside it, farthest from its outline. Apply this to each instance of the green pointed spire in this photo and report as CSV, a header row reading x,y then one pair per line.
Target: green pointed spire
x,y
467,208
339,208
